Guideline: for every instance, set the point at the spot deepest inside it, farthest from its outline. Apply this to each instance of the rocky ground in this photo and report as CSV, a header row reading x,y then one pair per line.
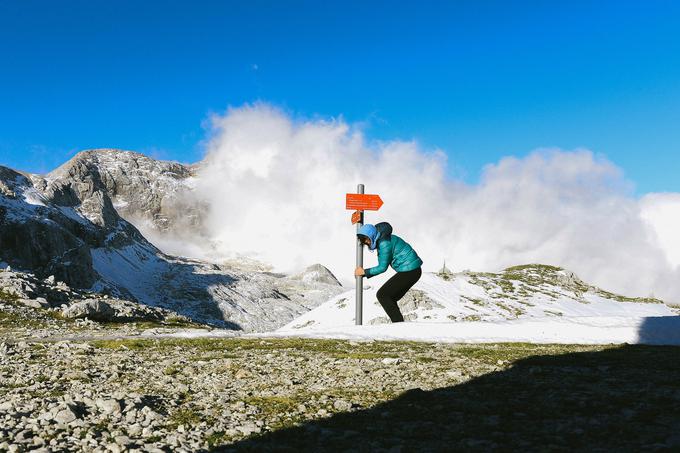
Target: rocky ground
x,y
34,308
86,372
288,394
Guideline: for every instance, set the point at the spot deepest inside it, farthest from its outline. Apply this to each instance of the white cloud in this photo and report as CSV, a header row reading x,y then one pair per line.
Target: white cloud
x,y
276,188
662,212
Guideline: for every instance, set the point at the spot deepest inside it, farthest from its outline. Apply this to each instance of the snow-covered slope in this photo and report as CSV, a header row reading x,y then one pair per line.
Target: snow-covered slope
x,y
522,292
209,293
659,330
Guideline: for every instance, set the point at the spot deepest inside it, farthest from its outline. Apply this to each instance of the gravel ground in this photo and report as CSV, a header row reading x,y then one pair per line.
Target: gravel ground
x,y
292,394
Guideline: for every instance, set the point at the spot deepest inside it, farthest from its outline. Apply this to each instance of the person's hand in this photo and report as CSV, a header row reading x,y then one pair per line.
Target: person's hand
x,y
359,271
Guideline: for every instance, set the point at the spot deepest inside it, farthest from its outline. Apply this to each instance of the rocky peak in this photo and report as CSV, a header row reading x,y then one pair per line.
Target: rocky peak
x,y
10,180
317,273
147,192
36,235
114,169
49,225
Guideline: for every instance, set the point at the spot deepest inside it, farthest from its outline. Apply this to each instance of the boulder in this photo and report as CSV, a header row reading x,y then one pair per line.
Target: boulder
x,y
96,310
40,302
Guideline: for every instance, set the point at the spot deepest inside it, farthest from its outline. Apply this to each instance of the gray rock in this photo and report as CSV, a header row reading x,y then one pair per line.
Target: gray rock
x,y
35,303
65,415
115,448
390,361
248,428
94,309
6,405
416,299
123,440
43,302
342,405
109,406
134,430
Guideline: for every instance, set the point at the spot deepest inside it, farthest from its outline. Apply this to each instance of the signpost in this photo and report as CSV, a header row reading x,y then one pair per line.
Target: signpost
x,y
360,202
363,202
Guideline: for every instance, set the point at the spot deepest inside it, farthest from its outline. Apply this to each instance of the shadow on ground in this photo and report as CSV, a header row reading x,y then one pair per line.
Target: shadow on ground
x,y
187,291
619,399
660,330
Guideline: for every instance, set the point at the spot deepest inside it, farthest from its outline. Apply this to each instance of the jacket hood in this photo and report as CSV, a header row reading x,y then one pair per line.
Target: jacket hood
x,y
370,232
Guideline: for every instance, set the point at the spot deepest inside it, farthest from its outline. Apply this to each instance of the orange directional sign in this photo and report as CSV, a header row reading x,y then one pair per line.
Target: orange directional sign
x,y
356,216
363,202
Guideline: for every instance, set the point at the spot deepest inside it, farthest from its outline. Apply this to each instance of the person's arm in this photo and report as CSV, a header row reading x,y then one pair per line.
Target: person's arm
x,y
384,260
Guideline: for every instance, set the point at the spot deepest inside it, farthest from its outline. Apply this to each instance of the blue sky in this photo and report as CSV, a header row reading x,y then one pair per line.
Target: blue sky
x,y
480,80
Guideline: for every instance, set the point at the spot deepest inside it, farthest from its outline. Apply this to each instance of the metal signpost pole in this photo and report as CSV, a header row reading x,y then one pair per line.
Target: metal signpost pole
x,y
360,202
360,263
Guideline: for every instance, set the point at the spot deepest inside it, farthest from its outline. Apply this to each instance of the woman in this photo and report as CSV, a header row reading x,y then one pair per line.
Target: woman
x,y
394,251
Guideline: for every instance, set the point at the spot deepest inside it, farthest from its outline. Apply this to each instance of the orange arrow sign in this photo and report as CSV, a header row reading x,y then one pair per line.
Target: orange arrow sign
x,y
363,201
356,217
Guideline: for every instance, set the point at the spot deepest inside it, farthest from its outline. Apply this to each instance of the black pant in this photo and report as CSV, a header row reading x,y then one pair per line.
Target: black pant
x,y
394,289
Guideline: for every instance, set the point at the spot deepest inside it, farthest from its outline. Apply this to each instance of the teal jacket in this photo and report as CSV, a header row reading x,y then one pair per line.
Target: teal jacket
x,y
396,252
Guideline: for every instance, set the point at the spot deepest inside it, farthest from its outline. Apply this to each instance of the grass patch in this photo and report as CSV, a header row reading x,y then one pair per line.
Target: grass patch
x,y
514,311
124,344
491,353
341,349
274,404
361,355
171,370
237,347
445,276
170,322
472,318
14,314
216,439
20,320
8,297
542,268
187,416
620,298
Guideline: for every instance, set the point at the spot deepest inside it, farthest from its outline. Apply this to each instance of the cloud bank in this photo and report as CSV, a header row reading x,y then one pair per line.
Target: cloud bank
x,y
275,187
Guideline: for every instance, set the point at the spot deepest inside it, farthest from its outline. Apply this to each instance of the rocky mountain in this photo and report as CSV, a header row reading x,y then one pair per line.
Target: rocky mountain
x,y
72,225
48,238
143,190
530,291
